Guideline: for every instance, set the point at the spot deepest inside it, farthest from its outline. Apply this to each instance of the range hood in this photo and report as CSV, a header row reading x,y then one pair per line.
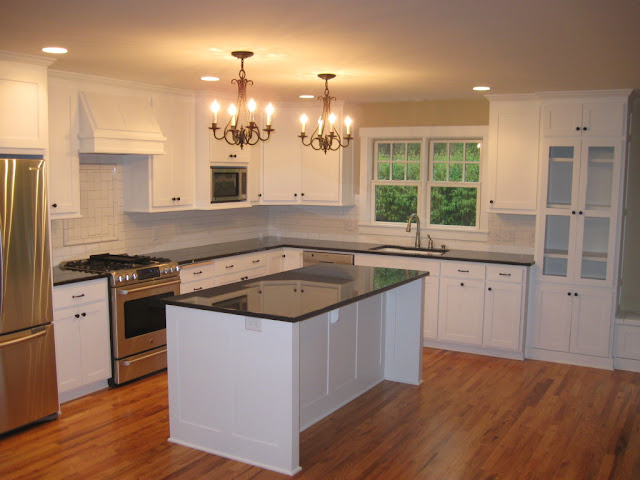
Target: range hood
x,y
118,124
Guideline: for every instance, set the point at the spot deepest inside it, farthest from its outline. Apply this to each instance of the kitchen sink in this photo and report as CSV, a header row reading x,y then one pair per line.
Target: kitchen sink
x,y
426,252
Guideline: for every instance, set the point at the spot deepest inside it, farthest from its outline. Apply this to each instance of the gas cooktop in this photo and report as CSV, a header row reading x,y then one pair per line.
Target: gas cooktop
x,y
125,269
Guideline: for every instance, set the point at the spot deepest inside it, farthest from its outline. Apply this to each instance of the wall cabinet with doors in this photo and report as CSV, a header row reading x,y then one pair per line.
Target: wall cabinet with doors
x,y
578,229
162,183
513,153
23,103
82,337
295,174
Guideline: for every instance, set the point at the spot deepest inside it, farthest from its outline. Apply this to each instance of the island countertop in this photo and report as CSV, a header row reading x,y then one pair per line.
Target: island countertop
x,y
298,294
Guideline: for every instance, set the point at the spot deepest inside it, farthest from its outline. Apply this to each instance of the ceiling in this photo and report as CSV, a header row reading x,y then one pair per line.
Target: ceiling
x,y
401,50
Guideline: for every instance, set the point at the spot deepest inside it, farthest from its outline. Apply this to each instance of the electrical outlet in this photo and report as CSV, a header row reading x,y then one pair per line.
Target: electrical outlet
x,y
252,323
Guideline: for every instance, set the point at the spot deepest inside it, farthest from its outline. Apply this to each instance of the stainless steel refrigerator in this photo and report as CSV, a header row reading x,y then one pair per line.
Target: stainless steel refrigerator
x,y
28,386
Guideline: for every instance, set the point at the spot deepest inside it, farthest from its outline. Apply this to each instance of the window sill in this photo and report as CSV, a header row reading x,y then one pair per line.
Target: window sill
x,y
440,232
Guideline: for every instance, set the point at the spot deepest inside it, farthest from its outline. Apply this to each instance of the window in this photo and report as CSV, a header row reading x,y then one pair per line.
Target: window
x,y
443,187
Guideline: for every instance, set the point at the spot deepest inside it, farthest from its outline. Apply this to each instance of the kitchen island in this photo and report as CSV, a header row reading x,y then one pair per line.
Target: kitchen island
x,y
253,363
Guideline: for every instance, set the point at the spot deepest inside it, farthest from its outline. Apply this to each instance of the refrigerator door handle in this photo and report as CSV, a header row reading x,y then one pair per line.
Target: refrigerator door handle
x,y
1,272
26,338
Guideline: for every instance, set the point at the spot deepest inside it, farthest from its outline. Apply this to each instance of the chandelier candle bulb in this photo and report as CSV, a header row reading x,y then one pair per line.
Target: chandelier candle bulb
x,y
347,122
303,121
252,108
269,111
215,108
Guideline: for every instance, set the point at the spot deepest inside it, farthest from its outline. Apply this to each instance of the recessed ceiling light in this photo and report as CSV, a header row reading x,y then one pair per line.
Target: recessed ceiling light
x,y
215,50
306,96
56,50
481,89
209,79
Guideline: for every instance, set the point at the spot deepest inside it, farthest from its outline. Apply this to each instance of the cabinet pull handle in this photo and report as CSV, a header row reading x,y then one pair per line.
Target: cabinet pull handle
x,y
198,273
505,274
255,261
245,278
229,266
197,288
463,271
77,296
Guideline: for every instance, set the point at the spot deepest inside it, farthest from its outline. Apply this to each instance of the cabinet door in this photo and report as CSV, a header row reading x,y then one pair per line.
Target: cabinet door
x,y
430,307
314,360
603,119
95,346
502,315
314,297
513,156
461,310
320,179
274,293
63,160
552,318
66,329
343,325
591,323
561,119
281,160
222,153
292,259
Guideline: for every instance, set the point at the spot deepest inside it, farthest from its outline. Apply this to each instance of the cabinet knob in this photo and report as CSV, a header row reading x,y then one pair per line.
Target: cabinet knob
x,y
173,199
302,194
584,128
575,294
577,129
462,284
302,290
490,201
84,314
295,289
295,194
489,288
573,212
77,315
569,293
178,198
54,205
259,194
580,212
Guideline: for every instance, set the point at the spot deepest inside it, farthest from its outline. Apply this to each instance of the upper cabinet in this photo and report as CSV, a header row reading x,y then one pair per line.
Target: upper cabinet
x,y
602,118
160,183
295,174
23,102
513,154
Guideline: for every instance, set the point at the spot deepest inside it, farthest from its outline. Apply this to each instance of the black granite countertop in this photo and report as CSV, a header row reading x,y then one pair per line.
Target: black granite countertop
x,y
63,277
291,296
185,256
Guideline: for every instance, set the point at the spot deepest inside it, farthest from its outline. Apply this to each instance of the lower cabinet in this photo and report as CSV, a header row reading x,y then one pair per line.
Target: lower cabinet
x,y
503,311
197,276
82,338
283,259
460,317
572,319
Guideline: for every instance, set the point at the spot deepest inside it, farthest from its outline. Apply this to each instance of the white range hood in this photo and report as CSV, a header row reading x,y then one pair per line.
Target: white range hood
x,y
118,124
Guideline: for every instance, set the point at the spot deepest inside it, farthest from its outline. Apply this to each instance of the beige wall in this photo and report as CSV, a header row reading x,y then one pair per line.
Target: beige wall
x,y
422,114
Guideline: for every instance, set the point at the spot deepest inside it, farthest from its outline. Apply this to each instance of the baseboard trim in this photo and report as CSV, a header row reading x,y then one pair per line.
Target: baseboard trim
x,y
605,363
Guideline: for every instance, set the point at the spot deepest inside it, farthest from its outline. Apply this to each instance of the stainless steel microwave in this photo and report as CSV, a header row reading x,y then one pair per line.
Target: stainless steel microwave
x,y
228,184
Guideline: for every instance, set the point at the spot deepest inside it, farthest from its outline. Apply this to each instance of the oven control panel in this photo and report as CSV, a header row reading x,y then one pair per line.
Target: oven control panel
x,y
138,275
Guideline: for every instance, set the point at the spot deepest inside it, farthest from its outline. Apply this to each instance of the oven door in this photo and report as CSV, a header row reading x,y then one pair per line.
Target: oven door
x,y
139,321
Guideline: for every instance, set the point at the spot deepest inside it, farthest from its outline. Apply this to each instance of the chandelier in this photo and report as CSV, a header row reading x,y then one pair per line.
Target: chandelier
x,y
326,137
241,129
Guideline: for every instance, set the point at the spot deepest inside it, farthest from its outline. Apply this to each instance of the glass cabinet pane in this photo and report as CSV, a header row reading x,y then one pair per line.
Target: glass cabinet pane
x,y
595,243
556,245
560,181
599,178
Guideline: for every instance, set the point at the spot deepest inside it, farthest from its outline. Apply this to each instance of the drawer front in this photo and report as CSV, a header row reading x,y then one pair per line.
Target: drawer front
x,y
198,271
240,263
463,270
505,273
65,296
240,276
196,285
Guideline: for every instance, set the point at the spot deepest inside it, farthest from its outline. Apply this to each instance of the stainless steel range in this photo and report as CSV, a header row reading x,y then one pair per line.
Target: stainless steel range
x,y
138,325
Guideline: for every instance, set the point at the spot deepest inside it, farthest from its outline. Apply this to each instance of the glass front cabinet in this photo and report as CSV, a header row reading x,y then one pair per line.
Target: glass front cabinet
x,y
579,210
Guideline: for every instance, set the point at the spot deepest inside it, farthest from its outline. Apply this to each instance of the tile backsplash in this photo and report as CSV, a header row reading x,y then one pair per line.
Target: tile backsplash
x,y
106,227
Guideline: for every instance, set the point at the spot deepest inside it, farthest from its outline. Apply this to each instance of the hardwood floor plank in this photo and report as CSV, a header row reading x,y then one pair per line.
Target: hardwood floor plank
x,y
473,417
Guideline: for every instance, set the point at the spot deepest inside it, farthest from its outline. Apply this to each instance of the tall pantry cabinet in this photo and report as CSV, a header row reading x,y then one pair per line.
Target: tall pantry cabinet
x,y
577,233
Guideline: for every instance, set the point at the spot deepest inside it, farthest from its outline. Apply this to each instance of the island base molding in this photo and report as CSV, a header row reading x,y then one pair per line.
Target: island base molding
x,y
246,395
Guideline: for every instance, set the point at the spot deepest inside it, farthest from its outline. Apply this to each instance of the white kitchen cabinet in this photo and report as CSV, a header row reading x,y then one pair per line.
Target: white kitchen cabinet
x,y
577,226
240,267
460,316
197,276
23,103
64,163
504,307
513,154
82,338
283,259
572,319
161,183
597,118
295,174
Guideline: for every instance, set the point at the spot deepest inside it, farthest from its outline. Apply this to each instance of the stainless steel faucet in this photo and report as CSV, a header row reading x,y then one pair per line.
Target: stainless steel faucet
x,y
415,215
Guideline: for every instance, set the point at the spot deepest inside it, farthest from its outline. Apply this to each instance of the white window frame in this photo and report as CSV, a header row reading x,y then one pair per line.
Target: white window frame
x,y
424,135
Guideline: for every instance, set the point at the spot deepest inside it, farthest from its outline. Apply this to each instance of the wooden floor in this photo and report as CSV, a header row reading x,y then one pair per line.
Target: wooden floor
x,y
473,417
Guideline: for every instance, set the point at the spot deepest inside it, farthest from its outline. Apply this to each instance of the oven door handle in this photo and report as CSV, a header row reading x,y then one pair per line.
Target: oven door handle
x,y
148,287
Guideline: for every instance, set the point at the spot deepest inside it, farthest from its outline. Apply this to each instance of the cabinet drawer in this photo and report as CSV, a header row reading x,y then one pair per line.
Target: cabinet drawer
x,y
198,271
240,276
188,287
240,263
74,294
463,270
504,273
